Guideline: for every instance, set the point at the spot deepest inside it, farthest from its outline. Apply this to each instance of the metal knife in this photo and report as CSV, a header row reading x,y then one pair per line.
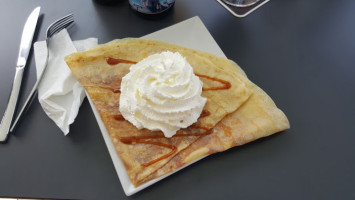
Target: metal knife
x,y
25,46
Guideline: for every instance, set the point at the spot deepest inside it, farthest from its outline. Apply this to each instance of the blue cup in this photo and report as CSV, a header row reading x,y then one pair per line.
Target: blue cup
x,y
151,6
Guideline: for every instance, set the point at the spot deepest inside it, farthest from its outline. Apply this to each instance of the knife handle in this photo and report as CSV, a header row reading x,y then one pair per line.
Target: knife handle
x,y
9,112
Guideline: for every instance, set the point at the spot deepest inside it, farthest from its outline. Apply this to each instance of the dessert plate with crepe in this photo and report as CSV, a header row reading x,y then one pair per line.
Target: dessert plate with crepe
x,y
158,116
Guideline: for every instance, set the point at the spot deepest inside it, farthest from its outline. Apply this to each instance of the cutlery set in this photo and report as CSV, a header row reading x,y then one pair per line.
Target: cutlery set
x,y
6,125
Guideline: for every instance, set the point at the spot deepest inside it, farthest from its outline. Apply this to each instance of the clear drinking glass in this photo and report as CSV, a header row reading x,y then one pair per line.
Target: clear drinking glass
x,y
241,3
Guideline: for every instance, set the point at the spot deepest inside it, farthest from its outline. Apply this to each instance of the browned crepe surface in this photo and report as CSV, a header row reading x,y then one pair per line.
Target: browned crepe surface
x,y
247,113
258,117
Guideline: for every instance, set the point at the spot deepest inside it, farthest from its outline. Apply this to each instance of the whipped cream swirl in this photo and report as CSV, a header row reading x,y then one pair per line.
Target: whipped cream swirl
x,y
161,92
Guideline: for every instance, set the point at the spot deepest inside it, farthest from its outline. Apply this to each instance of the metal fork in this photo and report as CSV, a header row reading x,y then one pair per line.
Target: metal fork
x,y
53,29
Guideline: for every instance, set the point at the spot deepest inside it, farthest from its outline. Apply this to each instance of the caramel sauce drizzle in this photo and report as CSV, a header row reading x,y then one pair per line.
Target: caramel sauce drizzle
x,y
173,149
226,85
116,90
115,61
146,139
119,117
141,140
204,113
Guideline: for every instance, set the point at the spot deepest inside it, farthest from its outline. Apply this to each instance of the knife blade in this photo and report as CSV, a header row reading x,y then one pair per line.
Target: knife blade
x,y
25,46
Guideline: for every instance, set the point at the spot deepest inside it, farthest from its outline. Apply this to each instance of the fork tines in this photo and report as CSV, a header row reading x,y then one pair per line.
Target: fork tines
x,y
60,24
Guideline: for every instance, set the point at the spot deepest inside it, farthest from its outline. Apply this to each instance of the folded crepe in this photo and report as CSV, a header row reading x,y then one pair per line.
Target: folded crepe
x,y
236,111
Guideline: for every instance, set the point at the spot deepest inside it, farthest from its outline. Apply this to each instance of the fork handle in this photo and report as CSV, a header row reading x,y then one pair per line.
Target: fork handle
x,y
11,106
27,103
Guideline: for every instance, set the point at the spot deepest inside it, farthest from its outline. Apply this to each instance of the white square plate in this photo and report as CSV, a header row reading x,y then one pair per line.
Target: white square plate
x,y
190,33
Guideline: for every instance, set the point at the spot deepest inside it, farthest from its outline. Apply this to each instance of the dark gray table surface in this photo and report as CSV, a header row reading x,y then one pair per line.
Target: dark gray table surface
x,y
302,53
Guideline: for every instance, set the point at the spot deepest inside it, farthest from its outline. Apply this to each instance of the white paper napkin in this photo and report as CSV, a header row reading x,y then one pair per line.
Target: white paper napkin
x,y
59,93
